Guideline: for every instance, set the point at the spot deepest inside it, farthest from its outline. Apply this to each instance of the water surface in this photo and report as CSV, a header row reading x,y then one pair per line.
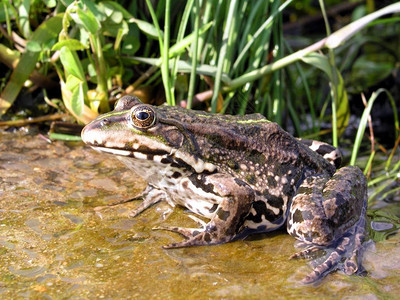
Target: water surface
x,y
56,243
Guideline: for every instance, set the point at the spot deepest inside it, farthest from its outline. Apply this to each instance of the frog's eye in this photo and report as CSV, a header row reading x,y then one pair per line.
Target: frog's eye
x,y
143,116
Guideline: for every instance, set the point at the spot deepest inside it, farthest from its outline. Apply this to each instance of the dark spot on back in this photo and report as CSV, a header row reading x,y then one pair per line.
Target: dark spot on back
x,y
176,174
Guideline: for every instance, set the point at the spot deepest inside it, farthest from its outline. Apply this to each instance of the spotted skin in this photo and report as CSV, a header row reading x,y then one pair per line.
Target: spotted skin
x,y
244,174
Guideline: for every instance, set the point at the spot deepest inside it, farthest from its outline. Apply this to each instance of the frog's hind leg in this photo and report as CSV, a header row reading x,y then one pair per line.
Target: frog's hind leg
x,y
343,255
329,214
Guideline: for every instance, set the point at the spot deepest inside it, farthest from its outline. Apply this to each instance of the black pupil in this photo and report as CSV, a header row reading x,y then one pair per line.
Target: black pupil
x,y
142,115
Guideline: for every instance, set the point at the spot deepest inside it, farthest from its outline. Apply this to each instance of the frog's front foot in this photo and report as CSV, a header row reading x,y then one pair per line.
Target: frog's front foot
x,y
195,237
235,199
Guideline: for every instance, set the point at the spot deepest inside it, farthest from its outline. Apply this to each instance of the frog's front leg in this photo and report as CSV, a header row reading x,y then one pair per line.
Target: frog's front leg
x,y
235,198
329,214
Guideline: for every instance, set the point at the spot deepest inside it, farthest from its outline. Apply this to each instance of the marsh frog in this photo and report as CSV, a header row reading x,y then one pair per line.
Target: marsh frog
x,y
244,174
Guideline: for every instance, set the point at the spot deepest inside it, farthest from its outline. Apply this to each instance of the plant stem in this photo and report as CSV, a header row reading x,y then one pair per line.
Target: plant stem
x,y
169,90
101,75
283,62
221,56
196,12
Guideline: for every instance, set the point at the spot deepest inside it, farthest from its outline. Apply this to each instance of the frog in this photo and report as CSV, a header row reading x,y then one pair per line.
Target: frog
x,y
238,176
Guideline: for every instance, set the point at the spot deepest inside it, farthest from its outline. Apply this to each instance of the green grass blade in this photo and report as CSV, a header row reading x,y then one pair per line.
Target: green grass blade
x,y
362,125
184,67
364,120
343,34
192,82
260,30
222,53
181,33
169,89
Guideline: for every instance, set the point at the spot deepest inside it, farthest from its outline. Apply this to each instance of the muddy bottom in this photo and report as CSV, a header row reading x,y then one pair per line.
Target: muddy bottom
x,y
56,243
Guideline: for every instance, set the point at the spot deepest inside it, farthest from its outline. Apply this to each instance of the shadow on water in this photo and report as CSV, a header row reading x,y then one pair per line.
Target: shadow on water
x,y
53,243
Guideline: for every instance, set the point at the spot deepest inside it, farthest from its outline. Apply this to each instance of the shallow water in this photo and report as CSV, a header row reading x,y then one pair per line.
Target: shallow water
x,y
54,243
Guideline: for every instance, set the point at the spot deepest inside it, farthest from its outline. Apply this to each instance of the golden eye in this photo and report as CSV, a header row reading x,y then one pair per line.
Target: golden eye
x,y
143,116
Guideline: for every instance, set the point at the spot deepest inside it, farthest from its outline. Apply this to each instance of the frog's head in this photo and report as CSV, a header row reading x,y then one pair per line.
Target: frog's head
x,y
143,131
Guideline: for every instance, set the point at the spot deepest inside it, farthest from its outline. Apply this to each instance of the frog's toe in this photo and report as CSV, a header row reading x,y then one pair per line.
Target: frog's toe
x,y
185,232
323,269
195,237
306,253
351,266
201,239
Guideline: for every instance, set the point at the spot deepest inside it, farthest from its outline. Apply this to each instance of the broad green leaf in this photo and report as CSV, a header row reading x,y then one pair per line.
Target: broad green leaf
x,y
45,32
50,3
33,46
72,83
343,109
113,29
77,90
92,7
78,99
147,28
319,61
114,14
88,20
71,44
114,6
71,63
130,45
23,18
84,17
66,3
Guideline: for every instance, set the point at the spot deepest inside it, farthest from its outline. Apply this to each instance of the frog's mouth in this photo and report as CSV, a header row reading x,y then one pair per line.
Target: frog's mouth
x,y
156,156
114,151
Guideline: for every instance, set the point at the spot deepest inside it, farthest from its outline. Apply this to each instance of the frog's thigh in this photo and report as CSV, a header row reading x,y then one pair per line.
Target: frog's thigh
x,y
325,208
307,220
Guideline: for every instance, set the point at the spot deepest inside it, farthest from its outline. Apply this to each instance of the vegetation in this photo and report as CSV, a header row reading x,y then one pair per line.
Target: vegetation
x,y
226,56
